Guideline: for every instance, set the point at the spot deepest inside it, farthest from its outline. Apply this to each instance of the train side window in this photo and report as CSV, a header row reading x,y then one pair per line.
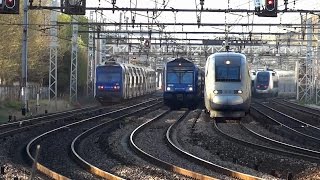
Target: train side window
x,y
273,74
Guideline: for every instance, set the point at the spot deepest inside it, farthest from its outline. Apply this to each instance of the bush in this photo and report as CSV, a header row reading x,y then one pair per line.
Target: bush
x,y
13,105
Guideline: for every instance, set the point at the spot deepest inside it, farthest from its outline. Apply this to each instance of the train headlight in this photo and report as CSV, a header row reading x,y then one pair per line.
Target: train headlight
x,y
238,91
168,88
228,62
190,89
215,92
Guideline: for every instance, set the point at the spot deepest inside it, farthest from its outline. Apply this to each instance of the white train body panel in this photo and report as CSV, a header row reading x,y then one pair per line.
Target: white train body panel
x,y
227,90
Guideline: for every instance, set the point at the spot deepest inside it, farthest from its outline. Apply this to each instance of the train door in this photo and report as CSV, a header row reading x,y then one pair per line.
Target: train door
x,y
144,84
139,81
135,81
131,76
126,82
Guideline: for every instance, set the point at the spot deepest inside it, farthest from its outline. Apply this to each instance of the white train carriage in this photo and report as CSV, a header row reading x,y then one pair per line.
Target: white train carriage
x,y
227,92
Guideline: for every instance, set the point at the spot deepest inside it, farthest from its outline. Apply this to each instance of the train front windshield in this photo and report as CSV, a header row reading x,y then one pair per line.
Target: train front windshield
x,y
227,69
179,77
108,74
263,78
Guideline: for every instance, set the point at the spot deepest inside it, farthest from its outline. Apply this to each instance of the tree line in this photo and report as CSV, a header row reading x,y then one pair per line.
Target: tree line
x,y
11,28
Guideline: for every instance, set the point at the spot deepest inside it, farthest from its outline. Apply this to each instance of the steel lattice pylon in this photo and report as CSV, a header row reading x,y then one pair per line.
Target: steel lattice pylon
x,y
90,75
74,62
305,91
53,85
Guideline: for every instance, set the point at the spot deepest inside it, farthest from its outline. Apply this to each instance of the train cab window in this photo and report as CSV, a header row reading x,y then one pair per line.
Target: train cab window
x,y
263,77
186,78
108,74
172,77
227,73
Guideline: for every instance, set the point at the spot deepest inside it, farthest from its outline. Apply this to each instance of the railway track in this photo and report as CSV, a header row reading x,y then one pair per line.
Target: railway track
x,y
254,140
305,114
289,123
12,128
219,171
58,164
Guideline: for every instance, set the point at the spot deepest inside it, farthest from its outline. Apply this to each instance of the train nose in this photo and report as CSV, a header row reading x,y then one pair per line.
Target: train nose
x,y
230,100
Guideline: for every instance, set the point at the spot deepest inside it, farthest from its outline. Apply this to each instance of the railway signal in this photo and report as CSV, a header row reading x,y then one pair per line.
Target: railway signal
x,y
271,8
9,6
267,9
271,5
73,7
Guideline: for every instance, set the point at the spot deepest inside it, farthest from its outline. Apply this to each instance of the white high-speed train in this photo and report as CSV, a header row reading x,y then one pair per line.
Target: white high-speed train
x,y
266,84
227,92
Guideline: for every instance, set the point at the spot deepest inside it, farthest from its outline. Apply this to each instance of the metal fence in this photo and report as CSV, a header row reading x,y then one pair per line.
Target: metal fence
x,y
13,92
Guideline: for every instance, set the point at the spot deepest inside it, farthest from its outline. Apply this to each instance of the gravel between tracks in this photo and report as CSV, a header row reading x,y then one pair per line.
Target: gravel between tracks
x,y
110,151
205,143
12,151
151,140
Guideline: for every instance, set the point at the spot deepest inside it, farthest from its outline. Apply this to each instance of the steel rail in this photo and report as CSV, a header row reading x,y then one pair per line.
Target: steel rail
x,y
76,143
308,109
292,118
32,143
307,154
300,108
38,118
159,162
208,164
287,127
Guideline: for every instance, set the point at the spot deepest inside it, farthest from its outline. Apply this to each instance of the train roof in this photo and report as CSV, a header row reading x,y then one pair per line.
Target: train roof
x,y
219,54
180,60
114,63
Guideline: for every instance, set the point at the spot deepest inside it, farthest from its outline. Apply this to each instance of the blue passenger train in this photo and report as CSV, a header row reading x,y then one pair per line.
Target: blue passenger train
x,y
183,84
118,81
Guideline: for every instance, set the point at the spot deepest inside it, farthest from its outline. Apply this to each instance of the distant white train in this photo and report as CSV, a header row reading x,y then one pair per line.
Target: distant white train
x,y
266,84
227,92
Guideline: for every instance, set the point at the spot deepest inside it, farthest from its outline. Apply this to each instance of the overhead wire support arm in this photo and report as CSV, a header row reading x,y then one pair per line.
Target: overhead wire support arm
x,y
182,24
177,10
187,32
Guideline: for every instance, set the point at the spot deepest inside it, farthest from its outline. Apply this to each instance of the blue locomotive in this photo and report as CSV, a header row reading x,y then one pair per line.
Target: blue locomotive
x,y
183,84
118,81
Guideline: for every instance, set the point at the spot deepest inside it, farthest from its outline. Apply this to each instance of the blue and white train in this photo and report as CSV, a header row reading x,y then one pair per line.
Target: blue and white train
x,y
183,84
117,81
227,92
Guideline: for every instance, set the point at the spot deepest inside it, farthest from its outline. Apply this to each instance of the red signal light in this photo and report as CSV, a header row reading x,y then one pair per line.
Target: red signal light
x,y
10,3
271,5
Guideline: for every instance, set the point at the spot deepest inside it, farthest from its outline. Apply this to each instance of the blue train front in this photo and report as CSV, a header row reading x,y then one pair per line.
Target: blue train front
x,y
109,84
183,84
117,81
